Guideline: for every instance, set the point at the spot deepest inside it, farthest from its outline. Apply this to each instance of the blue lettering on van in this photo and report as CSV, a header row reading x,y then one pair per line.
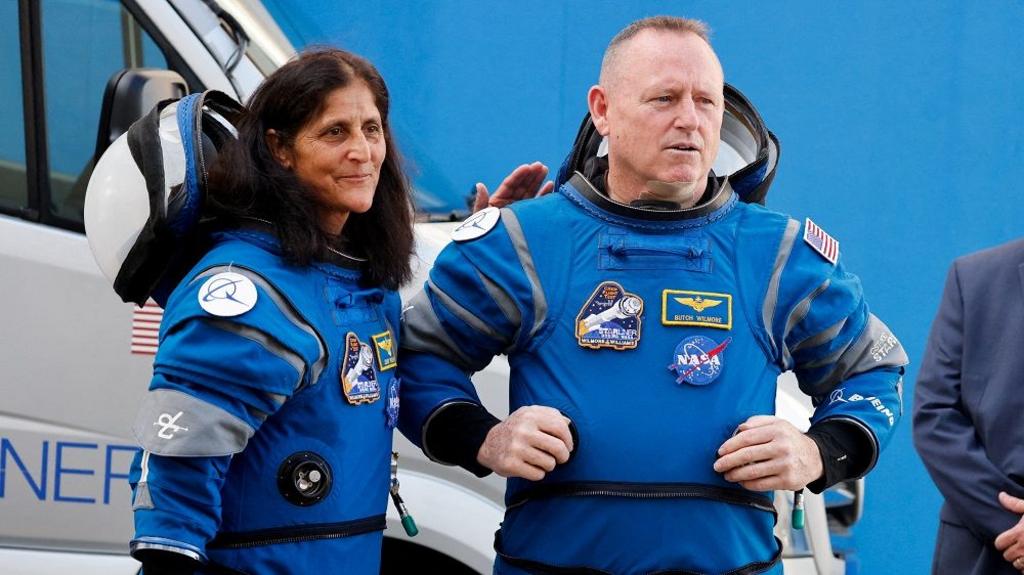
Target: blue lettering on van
x,y
109,474
38,488
35,473
69,471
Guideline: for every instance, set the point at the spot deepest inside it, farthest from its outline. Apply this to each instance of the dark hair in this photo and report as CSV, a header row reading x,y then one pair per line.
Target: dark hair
x,y
247,180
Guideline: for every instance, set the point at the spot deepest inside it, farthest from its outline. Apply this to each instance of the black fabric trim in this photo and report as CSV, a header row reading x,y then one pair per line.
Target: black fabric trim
x,y
147,258
456,433
720,196
539,568
642,491
242,539
846,452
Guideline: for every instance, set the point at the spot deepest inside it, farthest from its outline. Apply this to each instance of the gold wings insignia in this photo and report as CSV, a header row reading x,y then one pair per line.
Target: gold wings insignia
x,y
698,304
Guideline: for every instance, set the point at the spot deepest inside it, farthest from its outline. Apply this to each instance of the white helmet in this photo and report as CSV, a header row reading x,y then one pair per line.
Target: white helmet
x,y
147,191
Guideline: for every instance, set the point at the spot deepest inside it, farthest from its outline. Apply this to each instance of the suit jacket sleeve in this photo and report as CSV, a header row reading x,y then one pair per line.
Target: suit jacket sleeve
x,y
944,431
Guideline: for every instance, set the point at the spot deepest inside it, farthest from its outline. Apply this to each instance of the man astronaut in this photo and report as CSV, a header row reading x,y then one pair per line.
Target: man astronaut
x,y
641,437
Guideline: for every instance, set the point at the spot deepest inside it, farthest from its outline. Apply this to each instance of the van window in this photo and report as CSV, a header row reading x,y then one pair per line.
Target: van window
x,y
13,179
84,43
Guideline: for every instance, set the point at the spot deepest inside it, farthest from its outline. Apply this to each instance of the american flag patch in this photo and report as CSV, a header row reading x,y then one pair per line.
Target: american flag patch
x,y
822,243
146,328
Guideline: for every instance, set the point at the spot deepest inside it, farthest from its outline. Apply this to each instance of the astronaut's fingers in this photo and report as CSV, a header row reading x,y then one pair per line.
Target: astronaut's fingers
x,y
759,421
746,456
754,471
765,484
539,458
524,470
557,426
551,445
747,438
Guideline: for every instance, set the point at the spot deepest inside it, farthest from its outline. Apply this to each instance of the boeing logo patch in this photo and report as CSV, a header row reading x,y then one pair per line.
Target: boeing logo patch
x,y
227,294
477,225
696,308
610,319
358,376
698,360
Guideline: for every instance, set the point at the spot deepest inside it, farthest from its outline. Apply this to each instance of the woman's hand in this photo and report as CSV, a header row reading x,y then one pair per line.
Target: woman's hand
x,y
522,184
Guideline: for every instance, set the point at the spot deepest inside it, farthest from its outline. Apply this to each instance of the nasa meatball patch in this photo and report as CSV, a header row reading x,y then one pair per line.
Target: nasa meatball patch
x,y
358,375
698,360
610,319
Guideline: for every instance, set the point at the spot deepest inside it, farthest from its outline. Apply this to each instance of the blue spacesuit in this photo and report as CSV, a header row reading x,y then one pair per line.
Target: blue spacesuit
x,y
267,428
657,332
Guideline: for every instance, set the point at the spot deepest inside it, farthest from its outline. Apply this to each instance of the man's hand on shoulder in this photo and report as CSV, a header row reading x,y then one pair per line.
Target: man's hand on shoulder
x,y
528,444
769,453
523,183
1011,541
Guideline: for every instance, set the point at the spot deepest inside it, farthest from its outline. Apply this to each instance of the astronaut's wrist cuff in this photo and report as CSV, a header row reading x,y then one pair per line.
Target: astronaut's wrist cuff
x,y
456,432
845,453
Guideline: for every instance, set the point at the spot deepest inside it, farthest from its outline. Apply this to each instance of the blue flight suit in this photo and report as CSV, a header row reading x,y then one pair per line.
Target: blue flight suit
x,y
265,434
657,333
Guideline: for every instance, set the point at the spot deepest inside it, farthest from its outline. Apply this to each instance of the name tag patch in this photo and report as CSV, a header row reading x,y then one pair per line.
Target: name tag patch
x,y
696,308
610,319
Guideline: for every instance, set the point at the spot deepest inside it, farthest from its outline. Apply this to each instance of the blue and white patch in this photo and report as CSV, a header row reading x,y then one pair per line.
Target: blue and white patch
x,y
477,225
698,360
358,376
227,294
610,319
391,409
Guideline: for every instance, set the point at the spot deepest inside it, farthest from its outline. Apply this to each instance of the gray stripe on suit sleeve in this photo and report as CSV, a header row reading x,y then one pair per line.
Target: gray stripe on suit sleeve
x,y
771,298
875,347
504,301
797,315
267,342
465,315
821,337
515,233
422,331
286,308
175,424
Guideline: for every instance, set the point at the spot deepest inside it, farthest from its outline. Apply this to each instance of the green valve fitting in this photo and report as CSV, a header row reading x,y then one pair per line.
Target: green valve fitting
x,y
410,526
798,519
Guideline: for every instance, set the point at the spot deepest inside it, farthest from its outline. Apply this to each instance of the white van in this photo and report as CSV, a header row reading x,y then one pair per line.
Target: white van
x,y
75,360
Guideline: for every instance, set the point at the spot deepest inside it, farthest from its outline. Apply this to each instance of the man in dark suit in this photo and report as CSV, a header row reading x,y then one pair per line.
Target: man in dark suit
x,y
969,414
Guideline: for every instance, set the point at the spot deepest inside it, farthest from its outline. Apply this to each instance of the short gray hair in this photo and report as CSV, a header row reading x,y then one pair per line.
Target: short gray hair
x,y
656,23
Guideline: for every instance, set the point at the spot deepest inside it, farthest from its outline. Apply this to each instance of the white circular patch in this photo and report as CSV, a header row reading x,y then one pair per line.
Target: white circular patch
x,y
227,294
477,225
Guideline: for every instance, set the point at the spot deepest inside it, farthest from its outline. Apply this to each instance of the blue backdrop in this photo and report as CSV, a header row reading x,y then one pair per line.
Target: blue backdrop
x,y
900,126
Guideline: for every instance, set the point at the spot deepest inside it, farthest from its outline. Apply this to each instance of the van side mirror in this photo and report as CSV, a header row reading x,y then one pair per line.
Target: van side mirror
x,y
130,93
